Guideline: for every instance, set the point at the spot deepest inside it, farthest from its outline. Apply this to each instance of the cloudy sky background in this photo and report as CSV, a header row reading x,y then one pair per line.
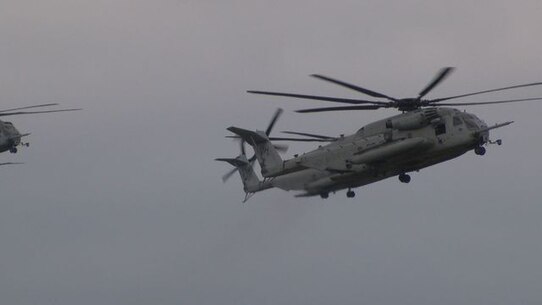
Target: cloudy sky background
x,y
122,203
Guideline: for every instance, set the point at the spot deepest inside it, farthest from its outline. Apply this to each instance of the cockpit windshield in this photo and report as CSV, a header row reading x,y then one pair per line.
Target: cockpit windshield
x,y
470,121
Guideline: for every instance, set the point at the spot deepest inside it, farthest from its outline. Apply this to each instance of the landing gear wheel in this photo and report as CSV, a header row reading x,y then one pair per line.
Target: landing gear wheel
x,y
324,195
480,150
404,178
13,150
350,194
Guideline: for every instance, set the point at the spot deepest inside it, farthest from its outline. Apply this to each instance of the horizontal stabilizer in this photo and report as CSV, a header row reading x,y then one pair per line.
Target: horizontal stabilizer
x,y
234,161
251,137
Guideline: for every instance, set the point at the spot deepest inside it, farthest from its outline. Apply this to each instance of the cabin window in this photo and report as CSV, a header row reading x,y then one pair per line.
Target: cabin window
x,y
440,129
457,121
361,131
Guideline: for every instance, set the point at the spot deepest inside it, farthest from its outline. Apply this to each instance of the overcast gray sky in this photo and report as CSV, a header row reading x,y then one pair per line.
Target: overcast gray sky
x,y
122,203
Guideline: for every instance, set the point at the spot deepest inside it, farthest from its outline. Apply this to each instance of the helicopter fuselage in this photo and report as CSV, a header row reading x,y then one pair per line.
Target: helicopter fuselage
x,y
10,137
394,146
426,133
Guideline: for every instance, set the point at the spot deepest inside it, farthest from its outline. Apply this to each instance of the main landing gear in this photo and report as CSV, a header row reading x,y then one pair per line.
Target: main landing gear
x,y
349,194
405,178
13,150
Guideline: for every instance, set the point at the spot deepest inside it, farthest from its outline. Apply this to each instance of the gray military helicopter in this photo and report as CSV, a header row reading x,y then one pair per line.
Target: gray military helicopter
x,y
424,134
10,137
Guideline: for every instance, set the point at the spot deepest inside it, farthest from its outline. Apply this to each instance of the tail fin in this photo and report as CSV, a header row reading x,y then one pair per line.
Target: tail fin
x,y
251,183
268,157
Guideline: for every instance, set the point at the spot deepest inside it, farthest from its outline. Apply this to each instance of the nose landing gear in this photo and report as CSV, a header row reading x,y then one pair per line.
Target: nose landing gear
x,y
498,142
350,194
13,149
480,150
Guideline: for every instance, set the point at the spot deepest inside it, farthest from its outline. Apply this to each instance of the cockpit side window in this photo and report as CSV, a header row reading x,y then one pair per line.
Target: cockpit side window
x,y
457,121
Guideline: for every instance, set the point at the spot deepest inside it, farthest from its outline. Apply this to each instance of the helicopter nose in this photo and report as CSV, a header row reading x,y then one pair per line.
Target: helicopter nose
x,y
483,137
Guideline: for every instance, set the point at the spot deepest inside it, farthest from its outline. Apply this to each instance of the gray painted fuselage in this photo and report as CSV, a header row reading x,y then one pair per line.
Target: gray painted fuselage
x,y
404,143
9,136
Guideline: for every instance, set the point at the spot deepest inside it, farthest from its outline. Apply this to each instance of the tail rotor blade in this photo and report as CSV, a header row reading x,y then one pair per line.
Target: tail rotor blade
x,y
229,174
243,152
273,121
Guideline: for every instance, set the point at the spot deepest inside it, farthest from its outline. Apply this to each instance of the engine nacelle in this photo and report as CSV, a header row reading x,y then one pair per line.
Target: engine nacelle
x,y
408,121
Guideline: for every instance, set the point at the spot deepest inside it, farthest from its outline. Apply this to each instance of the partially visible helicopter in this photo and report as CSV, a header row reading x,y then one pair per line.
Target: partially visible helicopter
x,y
10,137
424,134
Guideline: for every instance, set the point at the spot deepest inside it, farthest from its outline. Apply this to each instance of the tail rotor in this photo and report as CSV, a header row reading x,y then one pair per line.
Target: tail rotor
x,y
279,147
240,157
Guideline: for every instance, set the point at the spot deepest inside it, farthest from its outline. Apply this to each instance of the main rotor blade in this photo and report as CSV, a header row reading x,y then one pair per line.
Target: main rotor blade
x,y
299,139
444,72
10,163
353,87
339,108
273,121
34,112
28,107
319,98
485,91
310,135
492,102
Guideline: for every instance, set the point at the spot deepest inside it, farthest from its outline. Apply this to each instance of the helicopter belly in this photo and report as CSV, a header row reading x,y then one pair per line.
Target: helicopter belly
x,y
298,180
